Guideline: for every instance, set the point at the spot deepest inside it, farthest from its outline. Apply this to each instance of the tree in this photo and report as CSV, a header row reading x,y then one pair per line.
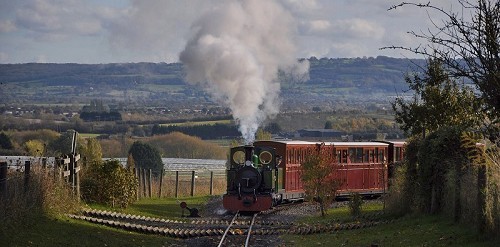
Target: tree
x,y
262,135
318,177
5,141
91,151
469,46
34,148
130,163
438,101
273,128
146,157
328,125
179,145
62,145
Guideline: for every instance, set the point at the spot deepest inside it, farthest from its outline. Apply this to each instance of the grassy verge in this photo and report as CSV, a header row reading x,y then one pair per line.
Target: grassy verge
x,y
159,207
63,231
427,230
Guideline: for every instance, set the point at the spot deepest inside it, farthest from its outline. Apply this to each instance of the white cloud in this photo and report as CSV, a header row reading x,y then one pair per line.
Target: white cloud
x,y
61,19
157,30
7,26
4,57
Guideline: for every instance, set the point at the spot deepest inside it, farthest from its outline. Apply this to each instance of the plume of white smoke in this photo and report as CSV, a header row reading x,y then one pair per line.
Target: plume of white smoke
x,y
235,52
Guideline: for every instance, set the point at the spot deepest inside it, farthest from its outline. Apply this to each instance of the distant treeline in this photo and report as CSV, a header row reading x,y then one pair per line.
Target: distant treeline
x,y
184,120
100,116
373,72
205,132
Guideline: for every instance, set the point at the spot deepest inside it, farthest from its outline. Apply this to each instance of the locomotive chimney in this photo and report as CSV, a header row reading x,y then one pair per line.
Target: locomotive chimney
x,y
248,152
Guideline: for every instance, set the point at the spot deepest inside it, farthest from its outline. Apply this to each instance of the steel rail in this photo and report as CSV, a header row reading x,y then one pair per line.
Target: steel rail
x,y
227,229
250,229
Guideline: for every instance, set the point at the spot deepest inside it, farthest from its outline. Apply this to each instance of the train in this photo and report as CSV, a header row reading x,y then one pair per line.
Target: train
x,y
267,173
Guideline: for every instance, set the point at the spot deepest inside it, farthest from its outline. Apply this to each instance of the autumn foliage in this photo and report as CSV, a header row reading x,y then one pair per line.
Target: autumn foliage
x,y
318,176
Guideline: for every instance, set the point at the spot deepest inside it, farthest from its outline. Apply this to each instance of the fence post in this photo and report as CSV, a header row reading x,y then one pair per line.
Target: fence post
x,y
144,188
211,183
192,183
161,183
176,184
150,184
136,171
72,172
27,170
3,178
77,176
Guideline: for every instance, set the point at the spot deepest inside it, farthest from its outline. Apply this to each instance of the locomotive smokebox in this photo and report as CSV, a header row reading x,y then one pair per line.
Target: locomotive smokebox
x,y
248,152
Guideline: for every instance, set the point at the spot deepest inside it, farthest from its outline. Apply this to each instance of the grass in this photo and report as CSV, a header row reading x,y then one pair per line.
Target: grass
x,y
416,230
88,135
63,231
159,207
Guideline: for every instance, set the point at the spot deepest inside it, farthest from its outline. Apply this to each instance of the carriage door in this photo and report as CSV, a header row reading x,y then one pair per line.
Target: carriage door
x,y
373,177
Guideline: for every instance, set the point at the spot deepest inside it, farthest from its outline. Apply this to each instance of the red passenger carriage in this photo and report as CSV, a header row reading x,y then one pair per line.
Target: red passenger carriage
x,y
361,167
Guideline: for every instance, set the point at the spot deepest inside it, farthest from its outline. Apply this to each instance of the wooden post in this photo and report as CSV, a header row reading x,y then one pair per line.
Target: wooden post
x,y
211,183
77,176
176,184
3,178
56,169
150,184
27,170
71,179
161,183
192,183
65,169
144,188
136,171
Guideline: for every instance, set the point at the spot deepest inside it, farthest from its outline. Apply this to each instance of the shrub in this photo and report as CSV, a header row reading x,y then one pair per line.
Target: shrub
x,y
109,183
355,204
23,204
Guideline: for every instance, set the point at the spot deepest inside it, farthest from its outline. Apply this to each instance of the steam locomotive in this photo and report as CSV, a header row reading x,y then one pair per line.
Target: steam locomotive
x,y
268,173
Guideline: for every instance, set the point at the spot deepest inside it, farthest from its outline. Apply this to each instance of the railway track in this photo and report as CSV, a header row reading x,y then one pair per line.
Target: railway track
x,y
248,231
202,227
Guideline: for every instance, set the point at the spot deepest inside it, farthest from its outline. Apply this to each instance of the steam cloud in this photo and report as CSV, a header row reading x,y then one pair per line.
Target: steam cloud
x,y
236,51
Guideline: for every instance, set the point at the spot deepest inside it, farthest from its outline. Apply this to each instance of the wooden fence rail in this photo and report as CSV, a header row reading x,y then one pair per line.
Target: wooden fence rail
x,y
186,181
168,184
66,168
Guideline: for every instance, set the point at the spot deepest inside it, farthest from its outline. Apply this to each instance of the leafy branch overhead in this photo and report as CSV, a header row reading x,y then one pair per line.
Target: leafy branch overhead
x,y
468,44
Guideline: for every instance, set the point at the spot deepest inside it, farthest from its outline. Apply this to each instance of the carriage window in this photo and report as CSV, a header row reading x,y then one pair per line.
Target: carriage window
x,y
375,156
381,156
398,154
371,157
368,155
352,154
359,155
344,156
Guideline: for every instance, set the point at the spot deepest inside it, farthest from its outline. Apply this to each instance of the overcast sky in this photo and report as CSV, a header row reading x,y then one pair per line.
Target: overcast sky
x,y
117,31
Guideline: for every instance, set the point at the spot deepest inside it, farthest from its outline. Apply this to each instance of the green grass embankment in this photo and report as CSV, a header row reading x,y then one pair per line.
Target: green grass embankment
x,y
63,231
414,230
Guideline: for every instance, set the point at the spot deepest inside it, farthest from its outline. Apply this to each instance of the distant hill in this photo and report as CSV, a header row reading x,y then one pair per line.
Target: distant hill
x,y
45,82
